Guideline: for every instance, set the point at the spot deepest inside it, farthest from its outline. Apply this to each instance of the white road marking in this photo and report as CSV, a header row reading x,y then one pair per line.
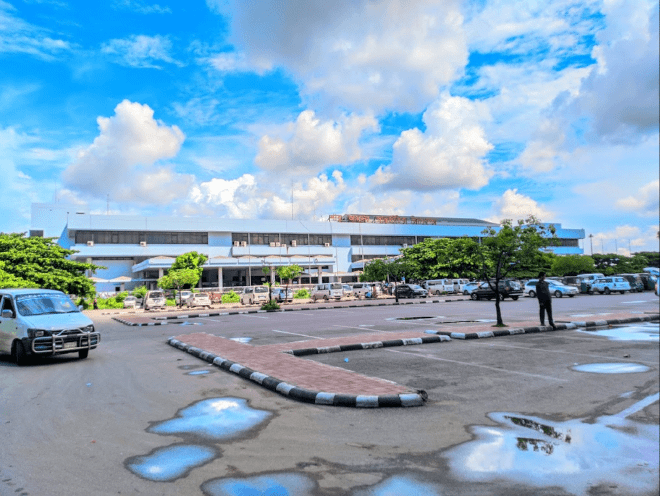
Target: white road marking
x,y
479,366
296,334
360,328
253,316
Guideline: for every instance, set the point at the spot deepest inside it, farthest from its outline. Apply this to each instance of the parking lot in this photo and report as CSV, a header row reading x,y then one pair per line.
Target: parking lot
x,y
566,412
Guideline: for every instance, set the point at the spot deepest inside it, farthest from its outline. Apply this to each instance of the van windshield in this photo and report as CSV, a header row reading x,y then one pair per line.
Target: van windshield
x,y
44,304
261,289
336,286
155,294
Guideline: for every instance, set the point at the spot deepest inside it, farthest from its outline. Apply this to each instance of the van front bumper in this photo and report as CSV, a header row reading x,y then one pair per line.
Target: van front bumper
x,y
64,342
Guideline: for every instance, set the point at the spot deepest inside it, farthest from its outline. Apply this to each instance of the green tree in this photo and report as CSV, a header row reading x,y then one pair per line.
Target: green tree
x,y
375,270
42,263
285,273
177,279
572,265
191,260
509,248
436,258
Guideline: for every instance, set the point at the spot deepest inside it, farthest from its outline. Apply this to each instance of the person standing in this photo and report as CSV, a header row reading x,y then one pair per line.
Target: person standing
x,y
545,300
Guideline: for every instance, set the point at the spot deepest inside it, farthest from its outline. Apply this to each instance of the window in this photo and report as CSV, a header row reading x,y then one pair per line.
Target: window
x,y
136,237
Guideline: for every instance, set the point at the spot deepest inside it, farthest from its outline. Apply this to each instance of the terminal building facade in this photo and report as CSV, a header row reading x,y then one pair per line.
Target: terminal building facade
x,y
138,250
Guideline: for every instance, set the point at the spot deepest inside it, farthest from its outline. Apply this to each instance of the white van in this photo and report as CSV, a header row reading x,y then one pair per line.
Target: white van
x,y
459,284
590,279
439,286
327,291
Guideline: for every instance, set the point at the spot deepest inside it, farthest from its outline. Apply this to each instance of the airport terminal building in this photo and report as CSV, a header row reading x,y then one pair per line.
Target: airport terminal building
x,y
138,250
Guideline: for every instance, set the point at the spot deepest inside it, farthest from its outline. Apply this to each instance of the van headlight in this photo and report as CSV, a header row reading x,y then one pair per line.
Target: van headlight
x,y
36,333
89,328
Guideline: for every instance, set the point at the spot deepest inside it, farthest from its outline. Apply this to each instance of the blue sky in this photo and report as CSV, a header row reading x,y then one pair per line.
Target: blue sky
x,y
226,108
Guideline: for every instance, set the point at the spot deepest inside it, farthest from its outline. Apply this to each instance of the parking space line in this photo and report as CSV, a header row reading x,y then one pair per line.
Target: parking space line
x,y
360,328
479,366
296,334
564,352
253,316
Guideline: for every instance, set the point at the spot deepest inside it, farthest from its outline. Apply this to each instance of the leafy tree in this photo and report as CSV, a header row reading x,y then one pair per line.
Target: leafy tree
x,y
284,272
42,263
231,297
177,279
436,258
190,260
140,292
572,265
508,249
375,270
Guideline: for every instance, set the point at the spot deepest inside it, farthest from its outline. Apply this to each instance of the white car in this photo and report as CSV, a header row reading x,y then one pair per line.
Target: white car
x,y
606,285
43,322
556,288
130,302
198,300
327,291
154,299
280,294
182,297
439,286
348,291
252,295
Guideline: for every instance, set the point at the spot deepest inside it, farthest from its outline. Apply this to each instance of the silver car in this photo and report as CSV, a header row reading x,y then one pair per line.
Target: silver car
x,y
328,291
198,300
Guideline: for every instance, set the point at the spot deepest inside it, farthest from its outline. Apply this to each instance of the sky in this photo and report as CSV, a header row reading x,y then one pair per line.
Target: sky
x,y
305,108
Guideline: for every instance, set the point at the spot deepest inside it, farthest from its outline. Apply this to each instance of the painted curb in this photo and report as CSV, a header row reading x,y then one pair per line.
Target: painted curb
x,y
368,346
301,394
537,329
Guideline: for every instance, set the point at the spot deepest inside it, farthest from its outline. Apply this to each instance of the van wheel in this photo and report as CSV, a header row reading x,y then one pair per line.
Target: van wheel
x,y
607,291
514,298
82,354
325,298
18,353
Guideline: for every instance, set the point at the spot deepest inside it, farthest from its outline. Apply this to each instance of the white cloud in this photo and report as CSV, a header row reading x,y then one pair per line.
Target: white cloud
x,y
363,55
141,7
140,51
449,154
122,160
513,205
310,144
644,202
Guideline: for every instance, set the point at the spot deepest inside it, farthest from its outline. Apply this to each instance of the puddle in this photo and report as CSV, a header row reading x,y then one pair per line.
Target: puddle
x,y
611,368
168,464
275,485
633,302
639,332
241,340
199,372
480,321
400,485
190,323
217,419
572,455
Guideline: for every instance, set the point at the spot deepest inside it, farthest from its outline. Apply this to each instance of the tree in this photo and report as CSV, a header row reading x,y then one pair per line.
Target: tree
x,y
572,265
512,247
285,272
177,279
437,258
41,263
190,260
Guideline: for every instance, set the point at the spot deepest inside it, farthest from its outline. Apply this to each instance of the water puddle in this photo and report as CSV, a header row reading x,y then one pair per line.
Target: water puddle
x,y
640,332
611,368
572,455
186,323
633,302
216,419
199,372
241,340
400,485
275,485
170,463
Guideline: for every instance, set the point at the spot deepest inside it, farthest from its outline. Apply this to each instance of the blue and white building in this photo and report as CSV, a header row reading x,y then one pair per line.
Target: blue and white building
x,y
138,250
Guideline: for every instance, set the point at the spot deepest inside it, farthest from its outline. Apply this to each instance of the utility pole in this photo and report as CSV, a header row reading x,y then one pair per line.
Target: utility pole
x,y
591,240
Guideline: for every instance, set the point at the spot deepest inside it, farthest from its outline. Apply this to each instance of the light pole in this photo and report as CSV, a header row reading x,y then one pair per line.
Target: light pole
x,y
591,240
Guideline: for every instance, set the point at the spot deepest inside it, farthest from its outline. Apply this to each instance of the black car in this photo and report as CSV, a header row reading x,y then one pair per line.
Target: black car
x,y
507,289
636,283
411,291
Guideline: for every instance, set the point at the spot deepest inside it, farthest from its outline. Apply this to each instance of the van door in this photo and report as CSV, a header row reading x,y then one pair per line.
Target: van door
x,y
7,325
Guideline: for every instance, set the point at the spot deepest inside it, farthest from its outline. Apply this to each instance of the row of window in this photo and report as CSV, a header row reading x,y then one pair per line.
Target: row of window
x,y
283,239
385,240
137,237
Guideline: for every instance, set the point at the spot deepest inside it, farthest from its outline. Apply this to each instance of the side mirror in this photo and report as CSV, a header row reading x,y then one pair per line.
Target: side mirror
x,y
7,314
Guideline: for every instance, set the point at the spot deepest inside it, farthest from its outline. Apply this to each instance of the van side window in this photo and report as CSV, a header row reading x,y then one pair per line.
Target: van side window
x,y
7,305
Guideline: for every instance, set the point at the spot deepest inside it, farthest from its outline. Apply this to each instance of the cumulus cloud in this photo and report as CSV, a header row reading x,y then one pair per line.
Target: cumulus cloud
x,y
625,239
513,205
645,202
140,51
449,154
141,7
309,144
367,56
123,159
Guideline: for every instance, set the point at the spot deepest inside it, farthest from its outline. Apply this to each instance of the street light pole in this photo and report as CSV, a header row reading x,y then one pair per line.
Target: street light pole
x,y
591,240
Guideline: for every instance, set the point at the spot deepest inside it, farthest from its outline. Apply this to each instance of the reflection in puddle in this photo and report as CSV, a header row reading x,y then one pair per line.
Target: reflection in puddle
x,y
190,323
611,368
241,340
199,372
400,486
572,454
168,464
275,485
639,332
216,418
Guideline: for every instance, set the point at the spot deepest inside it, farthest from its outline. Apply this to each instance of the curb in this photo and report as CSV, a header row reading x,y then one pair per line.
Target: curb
x,y
301,394
532,330
368,346
243,312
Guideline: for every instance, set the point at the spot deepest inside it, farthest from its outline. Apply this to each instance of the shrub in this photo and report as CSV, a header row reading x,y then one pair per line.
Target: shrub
x,y
170,302
140,292
270,306
301,294
231,297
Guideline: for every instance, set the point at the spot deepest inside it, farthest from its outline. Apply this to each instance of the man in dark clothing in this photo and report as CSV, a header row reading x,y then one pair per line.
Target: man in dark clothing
x,y
545,300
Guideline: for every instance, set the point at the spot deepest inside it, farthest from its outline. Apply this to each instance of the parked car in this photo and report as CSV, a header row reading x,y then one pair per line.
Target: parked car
x,y
507,289
360,289
327,291
198,300
43,322
130,302
182,297
556,288
410,291
636,283
439,286
606,285
154,299
572,281
470,287
647,279
589,279
281,294
254,294
459,285
348,290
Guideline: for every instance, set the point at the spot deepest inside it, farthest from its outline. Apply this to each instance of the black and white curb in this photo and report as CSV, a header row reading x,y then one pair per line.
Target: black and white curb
x,y
537,329
368,346
301,394
138,324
